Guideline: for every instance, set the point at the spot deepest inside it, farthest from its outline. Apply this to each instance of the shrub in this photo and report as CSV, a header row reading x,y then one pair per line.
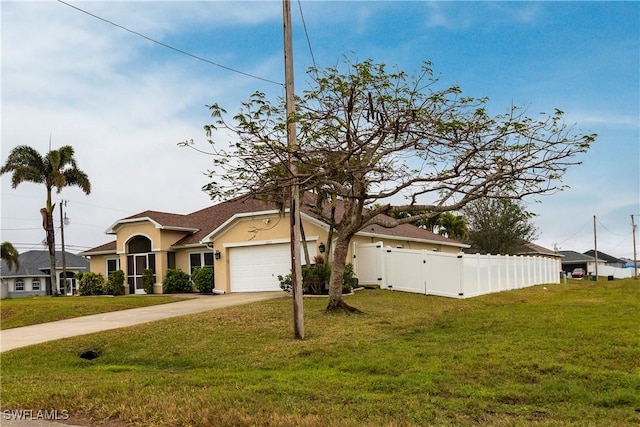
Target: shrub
x,y
315,279
285,282
148,279
91,284
202,279
176,281
115,283
349,281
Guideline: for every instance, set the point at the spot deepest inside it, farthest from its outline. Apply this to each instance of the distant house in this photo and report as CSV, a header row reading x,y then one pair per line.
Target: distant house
x,y
573,259
610,260
33,276
245,240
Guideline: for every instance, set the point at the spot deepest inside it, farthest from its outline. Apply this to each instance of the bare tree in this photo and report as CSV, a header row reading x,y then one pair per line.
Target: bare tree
x,y
382,142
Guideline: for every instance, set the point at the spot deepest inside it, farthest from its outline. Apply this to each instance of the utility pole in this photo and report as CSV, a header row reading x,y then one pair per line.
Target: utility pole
x,y
595,245
63,284
635,256
294,207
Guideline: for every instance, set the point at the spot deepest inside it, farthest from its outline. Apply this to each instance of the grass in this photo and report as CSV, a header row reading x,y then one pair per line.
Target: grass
x,y
33,310
567,355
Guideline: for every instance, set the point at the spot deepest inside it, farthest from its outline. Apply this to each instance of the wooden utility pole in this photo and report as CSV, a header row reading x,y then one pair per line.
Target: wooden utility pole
x,y
294,207
635,255
595,245
63,284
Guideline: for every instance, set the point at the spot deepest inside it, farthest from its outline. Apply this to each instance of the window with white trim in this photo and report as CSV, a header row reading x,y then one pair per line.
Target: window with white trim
x,y
35,284
19,284
200,259
113,264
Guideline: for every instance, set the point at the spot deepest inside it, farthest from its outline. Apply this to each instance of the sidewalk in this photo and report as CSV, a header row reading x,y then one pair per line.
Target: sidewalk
x,y
28,335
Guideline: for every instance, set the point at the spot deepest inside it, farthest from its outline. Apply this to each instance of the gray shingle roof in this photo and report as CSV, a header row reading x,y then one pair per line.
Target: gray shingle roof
x,y
36,263
575,257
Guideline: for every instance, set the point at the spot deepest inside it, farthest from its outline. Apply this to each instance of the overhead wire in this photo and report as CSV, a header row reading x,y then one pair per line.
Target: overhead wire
x,y
615,234
306,34
199,58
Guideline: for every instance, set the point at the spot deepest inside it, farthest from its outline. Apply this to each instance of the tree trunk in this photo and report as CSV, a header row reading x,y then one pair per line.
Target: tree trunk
x,y
47,224
303,236
337,276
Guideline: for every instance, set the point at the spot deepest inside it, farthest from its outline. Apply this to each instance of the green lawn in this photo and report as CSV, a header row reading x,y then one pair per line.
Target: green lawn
x,y
33,310
564,355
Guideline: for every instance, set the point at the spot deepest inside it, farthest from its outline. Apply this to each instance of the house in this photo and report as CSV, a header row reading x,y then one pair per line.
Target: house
x,y
573,259
33,278
610,260
245,240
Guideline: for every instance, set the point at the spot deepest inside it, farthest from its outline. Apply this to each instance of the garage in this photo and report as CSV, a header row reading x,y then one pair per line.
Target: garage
x,y
256,268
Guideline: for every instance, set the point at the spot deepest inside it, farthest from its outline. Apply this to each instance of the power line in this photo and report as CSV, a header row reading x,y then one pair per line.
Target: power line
x,y
168,46
615,234
306,34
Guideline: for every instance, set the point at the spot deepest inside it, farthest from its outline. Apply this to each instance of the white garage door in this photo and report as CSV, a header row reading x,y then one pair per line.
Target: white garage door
x,y
256,268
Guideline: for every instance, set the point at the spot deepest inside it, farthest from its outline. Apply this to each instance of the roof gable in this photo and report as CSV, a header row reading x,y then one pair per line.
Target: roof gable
x,y
162,220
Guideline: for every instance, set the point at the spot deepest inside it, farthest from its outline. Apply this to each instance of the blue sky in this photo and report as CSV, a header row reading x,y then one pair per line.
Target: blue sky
x,y
124,102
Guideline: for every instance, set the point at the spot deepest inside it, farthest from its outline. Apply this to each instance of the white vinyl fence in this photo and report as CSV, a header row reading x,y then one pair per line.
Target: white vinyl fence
x,y
616,272
449,275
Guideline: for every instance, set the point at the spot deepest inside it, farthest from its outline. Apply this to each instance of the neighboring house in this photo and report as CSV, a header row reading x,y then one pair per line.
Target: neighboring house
x,y
33,278
245,241
531,249
610,260
573,259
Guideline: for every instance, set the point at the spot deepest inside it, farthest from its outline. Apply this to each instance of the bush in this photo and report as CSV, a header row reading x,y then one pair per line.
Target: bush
x,y
202,279
91,284
148,279
115,283
315,279
349,281
285,282
176,281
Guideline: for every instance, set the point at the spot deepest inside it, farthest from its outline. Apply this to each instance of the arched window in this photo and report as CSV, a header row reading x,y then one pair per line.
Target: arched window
x,y
19,284
139,245
35,284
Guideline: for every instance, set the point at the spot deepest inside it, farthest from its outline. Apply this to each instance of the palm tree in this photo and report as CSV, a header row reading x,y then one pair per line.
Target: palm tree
x,y
452,226
10,255
57,169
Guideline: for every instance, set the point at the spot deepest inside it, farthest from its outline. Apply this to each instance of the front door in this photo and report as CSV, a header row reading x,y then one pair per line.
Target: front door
x,y
137,264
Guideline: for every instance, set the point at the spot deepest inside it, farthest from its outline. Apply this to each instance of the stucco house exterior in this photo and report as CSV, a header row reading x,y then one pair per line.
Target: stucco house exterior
x,y
32,277
245,240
